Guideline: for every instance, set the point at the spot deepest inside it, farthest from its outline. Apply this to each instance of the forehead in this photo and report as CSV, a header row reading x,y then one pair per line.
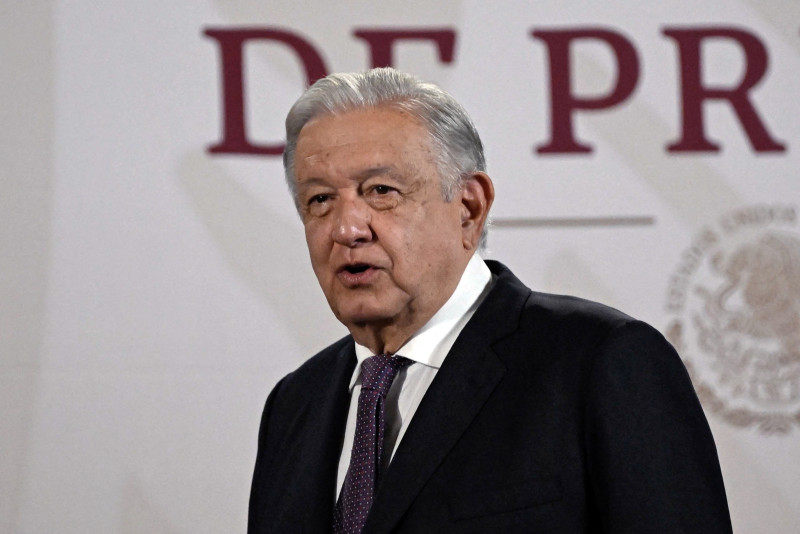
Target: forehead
x,y
363,137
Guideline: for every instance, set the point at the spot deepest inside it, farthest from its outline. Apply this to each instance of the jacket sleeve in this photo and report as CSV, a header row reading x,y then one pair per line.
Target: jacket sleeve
x,y
651,456
261,473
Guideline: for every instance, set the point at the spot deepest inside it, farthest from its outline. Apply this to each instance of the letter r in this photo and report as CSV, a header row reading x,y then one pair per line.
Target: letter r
x,y
694,93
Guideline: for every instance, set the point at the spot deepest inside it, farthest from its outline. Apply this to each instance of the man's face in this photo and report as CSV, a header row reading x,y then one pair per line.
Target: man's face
x,y
385,246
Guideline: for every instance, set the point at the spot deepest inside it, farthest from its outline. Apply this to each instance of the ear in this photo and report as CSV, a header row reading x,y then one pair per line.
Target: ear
x,y
476,195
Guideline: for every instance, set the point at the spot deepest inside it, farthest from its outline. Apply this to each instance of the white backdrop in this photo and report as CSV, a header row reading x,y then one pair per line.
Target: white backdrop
x,y
152,293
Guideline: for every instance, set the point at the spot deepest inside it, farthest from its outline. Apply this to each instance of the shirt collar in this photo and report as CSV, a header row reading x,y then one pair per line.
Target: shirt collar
x,y
427,345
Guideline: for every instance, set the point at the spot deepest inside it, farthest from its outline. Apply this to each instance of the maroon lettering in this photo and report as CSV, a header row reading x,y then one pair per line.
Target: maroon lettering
x,y
231,43
563,103
694,93
381,42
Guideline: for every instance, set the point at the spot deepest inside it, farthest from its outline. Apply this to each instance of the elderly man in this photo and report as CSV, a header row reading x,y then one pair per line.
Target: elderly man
x,y
461,401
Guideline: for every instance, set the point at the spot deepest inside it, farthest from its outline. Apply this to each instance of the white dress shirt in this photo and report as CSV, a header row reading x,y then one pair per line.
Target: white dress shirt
x,y
427,350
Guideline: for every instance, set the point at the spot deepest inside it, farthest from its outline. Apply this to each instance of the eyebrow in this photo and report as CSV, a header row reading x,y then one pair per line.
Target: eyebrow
x,y
311,181
391,170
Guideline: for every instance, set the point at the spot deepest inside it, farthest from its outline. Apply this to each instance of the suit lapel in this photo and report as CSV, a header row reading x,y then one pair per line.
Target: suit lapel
x,y
307,504
465,381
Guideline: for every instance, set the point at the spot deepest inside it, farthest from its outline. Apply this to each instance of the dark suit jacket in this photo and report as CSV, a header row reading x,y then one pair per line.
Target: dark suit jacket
x,y
549,414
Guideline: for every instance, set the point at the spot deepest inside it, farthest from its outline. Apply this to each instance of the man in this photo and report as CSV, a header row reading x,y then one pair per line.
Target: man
x,y
507,410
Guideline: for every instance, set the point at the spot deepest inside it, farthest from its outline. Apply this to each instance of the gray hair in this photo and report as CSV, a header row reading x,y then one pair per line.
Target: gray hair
x,y
455,139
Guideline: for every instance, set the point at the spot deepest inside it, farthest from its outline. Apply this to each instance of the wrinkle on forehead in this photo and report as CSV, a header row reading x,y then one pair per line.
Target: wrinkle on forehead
x,y
360,162
326,151
364,143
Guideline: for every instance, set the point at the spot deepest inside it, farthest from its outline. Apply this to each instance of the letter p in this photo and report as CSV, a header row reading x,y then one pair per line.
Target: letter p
x,y
563,103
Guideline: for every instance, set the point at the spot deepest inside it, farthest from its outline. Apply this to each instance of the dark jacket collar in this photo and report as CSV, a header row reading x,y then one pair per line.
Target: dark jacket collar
x,y
468,376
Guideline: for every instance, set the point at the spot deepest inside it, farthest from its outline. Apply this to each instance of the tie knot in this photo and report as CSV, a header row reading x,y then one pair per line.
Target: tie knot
x,y
377,372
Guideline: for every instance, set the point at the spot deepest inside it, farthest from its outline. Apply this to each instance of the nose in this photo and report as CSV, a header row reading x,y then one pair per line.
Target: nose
x,y
352,223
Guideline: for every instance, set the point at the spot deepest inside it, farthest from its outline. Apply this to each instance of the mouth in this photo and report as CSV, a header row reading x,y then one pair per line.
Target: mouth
x,y
356,268
356,274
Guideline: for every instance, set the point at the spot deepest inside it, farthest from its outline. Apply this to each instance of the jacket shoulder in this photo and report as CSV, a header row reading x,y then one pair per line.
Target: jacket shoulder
x,y
320,366
574,311
514,313
510,294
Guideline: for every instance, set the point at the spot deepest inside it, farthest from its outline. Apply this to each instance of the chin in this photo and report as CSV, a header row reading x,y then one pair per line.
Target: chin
x,y
360,315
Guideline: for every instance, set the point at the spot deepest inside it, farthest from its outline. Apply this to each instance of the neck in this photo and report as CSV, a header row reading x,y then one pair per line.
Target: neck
x,y
384,339
387,336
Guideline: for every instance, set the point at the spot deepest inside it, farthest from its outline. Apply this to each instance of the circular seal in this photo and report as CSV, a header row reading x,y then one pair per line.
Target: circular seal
x,y
734,302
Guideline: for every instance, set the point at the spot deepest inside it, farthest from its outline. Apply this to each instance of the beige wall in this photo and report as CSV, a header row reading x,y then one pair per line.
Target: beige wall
x,y
151,293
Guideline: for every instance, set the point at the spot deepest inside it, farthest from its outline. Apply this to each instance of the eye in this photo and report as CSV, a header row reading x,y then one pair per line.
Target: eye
x,y
318,199
382,189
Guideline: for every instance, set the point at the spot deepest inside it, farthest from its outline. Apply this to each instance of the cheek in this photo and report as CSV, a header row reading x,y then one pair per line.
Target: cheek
x,y
419,246
317,245
439,228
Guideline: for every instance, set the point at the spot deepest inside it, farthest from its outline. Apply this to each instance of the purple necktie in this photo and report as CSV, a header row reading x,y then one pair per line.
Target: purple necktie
x,y
361,481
